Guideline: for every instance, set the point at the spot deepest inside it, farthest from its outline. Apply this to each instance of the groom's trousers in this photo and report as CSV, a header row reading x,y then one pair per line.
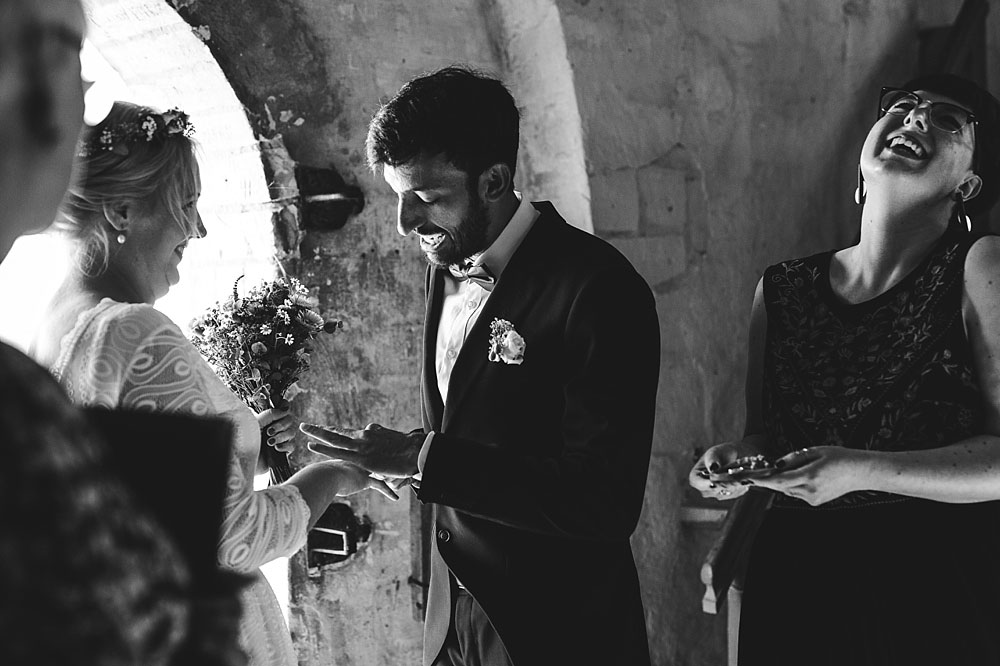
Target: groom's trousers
x,y
471,639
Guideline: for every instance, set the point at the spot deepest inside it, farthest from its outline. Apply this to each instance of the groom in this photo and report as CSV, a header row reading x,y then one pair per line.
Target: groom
x,y
541,357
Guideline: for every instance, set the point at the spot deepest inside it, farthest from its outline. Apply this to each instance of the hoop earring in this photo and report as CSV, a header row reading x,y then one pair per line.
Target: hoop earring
x,y
859,194
121,239
962,216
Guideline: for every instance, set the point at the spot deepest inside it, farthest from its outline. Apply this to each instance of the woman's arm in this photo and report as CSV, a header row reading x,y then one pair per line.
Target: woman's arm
x,y
320,483
967,471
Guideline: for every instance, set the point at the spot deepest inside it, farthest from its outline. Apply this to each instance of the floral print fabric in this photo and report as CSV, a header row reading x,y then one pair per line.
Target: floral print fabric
x,y
890,374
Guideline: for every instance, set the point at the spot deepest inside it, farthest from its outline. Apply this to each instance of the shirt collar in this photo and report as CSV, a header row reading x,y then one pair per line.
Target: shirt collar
x,y
497,256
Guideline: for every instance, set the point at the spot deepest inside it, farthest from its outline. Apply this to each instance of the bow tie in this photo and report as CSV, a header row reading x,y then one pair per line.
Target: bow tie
x,y
481,275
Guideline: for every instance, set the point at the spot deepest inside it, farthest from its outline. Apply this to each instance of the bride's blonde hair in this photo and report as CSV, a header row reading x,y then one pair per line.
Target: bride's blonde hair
x,y
136,155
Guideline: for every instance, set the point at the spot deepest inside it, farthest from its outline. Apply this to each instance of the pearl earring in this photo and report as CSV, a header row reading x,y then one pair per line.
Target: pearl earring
x,y
121,239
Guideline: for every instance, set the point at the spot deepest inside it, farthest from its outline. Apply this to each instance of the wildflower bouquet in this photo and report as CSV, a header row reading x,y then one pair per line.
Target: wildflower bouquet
x,y
259,345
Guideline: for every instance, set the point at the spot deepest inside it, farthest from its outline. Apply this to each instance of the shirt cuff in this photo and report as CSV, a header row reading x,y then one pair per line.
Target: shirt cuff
x,y
422,456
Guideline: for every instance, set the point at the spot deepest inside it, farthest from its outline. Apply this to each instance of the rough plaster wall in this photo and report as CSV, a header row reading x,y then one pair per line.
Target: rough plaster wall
x,y
721,137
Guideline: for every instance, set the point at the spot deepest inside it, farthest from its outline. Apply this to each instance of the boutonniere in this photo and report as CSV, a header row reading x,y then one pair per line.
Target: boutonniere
x,y
506,344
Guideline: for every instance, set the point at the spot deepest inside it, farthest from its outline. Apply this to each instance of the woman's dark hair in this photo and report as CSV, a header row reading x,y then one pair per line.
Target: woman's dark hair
x,y
460,113
986,108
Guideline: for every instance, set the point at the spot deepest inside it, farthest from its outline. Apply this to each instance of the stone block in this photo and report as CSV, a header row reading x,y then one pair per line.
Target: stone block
x,y
614,202
662,200
657,259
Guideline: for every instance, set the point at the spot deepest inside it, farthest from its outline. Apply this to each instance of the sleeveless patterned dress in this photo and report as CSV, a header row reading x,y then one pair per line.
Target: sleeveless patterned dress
x,y
872,578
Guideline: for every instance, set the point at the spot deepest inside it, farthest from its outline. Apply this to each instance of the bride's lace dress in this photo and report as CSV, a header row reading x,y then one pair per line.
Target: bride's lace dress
x,y
129,356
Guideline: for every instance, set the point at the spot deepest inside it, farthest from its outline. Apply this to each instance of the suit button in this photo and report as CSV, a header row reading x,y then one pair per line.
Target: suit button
x,y
444,535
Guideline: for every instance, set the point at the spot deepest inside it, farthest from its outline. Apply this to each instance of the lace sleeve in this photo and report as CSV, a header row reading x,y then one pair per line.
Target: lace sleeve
x,y
139,359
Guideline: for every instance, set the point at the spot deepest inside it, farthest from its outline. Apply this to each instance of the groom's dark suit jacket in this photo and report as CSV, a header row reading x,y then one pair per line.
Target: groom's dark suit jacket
x,y
538,470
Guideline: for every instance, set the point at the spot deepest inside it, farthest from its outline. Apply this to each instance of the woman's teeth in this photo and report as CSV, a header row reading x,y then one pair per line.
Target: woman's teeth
x,y
902,142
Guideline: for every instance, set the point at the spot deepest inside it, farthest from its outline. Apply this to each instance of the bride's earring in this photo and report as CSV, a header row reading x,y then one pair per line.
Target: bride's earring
x,y
121,238
859,194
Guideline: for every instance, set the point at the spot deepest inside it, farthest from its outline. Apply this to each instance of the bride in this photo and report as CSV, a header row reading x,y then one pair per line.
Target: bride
x,y
130,217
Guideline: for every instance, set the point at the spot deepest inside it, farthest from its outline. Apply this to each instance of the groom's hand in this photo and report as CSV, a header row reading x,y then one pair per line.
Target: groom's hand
x,y
379,450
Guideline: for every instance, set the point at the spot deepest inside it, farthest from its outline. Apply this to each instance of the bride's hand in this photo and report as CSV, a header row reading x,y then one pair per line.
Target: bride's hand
x,y
351,479
278,428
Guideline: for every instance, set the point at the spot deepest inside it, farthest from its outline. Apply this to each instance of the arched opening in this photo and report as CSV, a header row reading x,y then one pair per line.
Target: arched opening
x,y
143,52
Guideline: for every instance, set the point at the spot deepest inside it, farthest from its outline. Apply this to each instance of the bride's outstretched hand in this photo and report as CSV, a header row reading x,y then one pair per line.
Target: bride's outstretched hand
x,y
351,479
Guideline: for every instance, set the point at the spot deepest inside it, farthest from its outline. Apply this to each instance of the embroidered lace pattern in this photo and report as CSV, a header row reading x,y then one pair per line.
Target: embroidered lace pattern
x,y
132,356
893,373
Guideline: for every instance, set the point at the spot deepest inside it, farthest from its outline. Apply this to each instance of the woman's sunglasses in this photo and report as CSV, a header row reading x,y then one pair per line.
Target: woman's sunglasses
x,y
944,116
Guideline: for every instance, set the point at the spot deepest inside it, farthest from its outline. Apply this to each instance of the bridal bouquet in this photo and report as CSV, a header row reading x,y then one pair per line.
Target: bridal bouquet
x,y
259,345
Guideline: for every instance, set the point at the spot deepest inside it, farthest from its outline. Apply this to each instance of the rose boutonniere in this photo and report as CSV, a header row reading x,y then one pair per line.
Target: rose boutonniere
x,y
506,344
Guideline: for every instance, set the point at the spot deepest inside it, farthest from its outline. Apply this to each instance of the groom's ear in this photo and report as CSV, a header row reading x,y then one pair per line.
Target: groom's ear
x,y
494,182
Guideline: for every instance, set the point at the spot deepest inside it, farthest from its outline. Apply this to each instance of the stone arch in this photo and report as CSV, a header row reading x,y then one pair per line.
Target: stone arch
x,y
164,63
529,40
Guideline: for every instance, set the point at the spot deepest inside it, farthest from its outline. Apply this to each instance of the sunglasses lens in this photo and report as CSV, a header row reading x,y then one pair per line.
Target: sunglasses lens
x,y
898,102
948,117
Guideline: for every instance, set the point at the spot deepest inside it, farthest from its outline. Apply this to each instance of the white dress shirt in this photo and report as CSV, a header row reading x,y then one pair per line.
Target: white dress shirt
x,y
464,300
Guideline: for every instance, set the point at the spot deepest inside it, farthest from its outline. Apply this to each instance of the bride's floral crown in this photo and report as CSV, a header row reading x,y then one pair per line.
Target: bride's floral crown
x,y
146,128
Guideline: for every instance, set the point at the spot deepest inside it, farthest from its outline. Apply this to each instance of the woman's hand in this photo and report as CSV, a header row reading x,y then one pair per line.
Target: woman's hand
x,y
350,479
704,475
278,428
819,474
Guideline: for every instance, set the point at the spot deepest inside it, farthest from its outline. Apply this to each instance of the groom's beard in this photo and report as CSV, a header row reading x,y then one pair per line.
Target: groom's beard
x,y
465,240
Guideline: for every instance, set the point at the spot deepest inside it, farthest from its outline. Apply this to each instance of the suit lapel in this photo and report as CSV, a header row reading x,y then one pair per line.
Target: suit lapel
x,y
514,294
431,396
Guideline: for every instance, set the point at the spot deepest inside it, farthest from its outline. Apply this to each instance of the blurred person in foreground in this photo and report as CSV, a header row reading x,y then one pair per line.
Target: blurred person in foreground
x,y
540,366
129,216
873,401
85,578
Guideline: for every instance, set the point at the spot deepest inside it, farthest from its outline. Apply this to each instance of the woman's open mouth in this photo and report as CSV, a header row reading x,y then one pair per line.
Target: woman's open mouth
x,y
907,147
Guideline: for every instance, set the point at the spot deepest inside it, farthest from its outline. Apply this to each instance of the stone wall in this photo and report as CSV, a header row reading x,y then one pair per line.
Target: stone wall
x,y
706,139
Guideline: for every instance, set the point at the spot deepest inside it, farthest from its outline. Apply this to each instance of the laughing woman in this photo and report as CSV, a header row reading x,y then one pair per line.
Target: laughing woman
x,y
130,216
874,386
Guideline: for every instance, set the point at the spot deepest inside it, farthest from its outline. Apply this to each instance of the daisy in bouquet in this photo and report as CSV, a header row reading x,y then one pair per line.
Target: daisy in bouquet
x,y
259,345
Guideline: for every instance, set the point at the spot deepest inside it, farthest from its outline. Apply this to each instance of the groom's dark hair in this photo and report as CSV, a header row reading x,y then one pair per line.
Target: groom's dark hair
x,y
465,115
